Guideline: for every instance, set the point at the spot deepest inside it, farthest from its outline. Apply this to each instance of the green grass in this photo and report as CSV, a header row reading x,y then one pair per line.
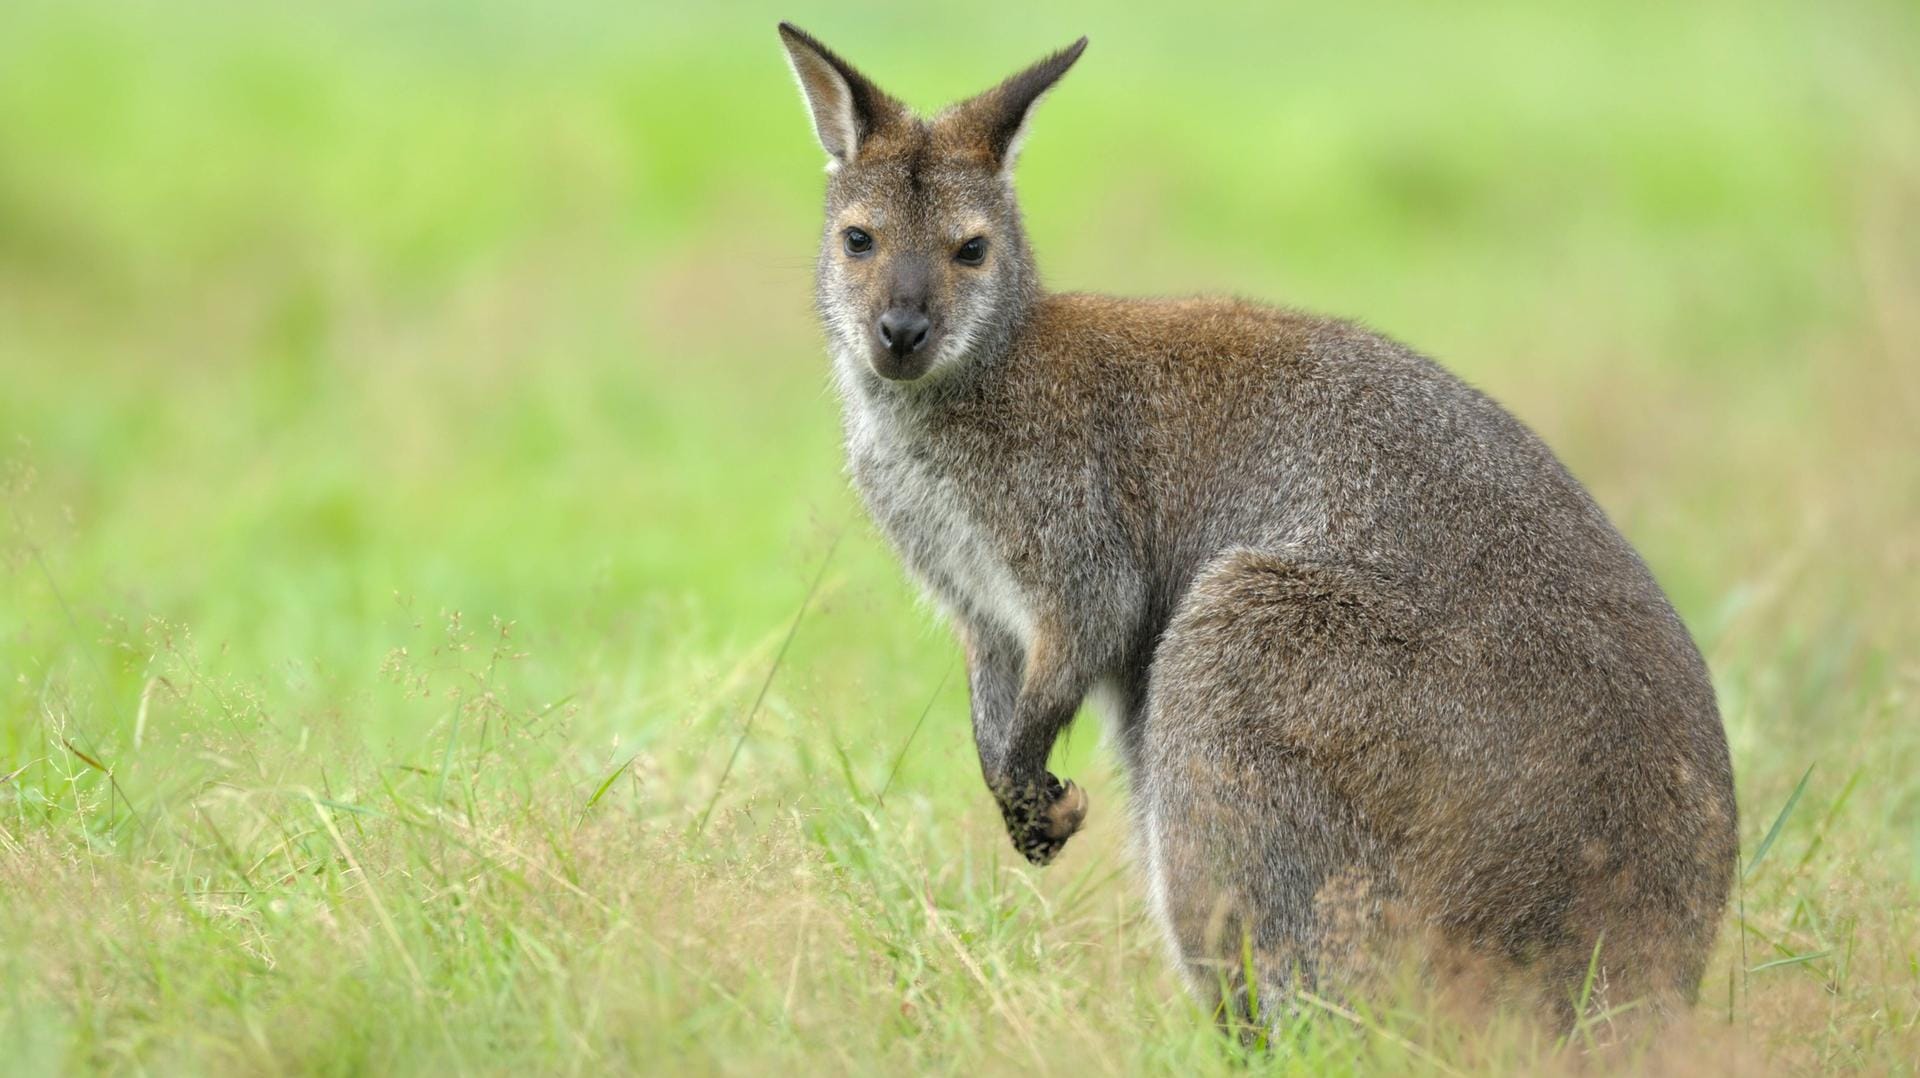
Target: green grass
x,y
417,448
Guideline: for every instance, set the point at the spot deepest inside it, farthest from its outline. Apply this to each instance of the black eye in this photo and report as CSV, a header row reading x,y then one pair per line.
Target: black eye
x,y
858,242
973,252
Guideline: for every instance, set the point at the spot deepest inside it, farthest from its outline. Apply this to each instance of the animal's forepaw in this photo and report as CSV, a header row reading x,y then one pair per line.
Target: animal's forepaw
x,y
1041,816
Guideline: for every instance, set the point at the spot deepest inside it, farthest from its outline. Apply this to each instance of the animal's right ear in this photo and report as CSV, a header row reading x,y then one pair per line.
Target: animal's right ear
x,y
847,109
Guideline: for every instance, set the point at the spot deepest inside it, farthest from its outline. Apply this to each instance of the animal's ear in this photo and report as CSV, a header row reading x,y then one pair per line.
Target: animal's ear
x,y
996,121
847,109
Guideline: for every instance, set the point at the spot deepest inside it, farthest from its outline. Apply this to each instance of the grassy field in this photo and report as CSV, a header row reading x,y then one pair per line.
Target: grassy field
x,y
435,634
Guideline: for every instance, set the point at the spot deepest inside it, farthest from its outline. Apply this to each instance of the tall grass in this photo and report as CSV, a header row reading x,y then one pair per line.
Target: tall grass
x,y
419,649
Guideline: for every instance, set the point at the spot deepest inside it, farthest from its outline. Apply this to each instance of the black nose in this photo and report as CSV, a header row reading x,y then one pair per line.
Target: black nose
x,y
904,331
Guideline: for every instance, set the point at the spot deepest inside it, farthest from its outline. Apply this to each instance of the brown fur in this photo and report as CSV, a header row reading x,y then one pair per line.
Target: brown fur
x,y
1381,670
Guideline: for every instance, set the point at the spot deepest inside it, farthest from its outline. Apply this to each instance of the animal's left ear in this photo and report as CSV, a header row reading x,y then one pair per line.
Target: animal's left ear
x,y
996,121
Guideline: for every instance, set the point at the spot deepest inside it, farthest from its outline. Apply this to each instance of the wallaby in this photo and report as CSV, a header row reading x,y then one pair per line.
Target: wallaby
x,y
1378,668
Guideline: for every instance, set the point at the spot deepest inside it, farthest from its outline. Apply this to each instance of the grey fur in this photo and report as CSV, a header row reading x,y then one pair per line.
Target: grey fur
x,y
1384,675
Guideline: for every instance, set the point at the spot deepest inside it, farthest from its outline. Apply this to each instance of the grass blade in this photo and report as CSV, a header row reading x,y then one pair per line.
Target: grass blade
x,y
84,758
746,727
344,806
1793,960
1382,1032
605,785
901,757
1778,822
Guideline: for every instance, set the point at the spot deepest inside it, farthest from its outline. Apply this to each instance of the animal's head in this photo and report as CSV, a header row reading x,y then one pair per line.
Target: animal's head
x,y
923,262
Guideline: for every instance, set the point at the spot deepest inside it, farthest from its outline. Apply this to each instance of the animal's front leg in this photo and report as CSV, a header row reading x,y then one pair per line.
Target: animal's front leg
x,y
996,664
1021,702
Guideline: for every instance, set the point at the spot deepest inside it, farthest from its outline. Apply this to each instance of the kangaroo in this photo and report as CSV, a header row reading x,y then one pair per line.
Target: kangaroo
x,y
1379,671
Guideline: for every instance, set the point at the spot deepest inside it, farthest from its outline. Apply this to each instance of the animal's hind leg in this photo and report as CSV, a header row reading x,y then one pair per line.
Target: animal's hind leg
x,y
1264,876
1262,888
1235,888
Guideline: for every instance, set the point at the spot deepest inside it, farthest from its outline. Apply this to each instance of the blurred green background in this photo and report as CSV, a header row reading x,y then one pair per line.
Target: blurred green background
x,y
331,334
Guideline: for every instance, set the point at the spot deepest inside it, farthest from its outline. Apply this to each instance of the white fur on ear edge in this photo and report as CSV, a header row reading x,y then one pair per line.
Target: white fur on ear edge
x,y
1019,139
829,101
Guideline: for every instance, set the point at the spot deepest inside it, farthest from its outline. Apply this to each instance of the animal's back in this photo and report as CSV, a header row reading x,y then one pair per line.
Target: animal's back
x,y
1374,573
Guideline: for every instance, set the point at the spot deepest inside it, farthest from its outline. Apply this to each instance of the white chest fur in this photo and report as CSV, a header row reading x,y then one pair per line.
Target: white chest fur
x,y
928,517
